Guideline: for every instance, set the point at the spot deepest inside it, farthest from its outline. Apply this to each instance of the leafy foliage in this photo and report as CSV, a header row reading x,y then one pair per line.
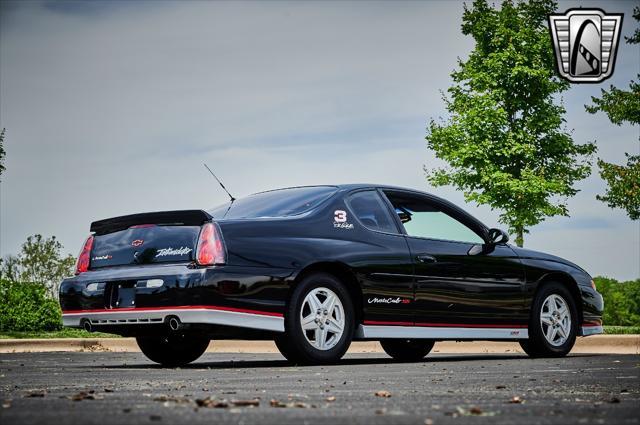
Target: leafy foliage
x,y
622,106
29,285
622,330
26,307
2,153
40,261
624,185
635,38
621,301
504,140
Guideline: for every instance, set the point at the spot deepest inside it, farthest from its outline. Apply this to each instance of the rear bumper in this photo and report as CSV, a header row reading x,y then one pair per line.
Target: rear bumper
x,y
211,315
131,298
592,330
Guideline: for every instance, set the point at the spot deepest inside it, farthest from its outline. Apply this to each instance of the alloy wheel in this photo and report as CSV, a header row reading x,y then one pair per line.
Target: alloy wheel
x,y
555,319
322,318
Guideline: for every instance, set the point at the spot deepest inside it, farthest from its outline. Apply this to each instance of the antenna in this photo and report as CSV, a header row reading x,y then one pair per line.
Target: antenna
x,y
221,185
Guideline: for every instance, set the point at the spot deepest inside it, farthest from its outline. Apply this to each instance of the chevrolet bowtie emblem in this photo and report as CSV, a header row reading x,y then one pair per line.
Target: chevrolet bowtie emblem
x,y
586,43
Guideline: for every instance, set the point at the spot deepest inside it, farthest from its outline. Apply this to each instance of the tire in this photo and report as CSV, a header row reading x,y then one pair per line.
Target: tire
x,y
173,350
282,342
320,343
552,330
528,349
407,350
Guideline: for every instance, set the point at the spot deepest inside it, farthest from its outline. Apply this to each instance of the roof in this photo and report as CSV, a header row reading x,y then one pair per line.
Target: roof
x,y
348,186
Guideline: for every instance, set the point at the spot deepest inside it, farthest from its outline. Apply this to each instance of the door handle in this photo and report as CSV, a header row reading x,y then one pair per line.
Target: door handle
x,y
426,258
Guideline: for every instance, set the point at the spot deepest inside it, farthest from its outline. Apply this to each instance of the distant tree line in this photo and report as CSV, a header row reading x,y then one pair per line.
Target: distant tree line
x,y
621,301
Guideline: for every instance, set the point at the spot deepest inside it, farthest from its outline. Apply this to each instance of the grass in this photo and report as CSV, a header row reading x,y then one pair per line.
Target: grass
x,y
621,330
63,333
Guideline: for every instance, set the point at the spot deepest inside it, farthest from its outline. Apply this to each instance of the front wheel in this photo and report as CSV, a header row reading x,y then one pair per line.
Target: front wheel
x,y
172,350
407,350
319,321
553,324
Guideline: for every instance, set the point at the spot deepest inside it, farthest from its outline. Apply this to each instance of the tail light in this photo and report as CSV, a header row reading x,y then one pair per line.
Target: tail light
x,y
210,249
85,256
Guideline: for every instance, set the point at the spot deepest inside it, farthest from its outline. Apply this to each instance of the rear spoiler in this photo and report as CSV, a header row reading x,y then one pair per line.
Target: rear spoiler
x,y
175,218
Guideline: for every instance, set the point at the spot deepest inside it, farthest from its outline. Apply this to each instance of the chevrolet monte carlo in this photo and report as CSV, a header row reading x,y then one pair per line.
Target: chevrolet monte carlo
x,y
314,268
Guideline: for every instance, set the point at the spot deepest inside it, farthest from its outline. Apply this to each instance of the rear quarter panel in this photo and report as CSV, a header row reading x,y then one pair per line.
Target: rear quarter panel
x,y
380,262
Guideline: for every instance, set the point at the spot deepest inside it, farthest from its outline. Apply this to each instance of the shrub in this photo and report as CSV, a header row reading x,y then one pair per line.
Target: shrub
x,y
621,301
40,260
26,307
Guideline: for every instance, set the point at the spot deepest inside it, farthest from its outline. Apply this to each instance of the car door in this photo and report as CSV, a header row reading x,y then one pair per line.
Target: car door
x,y
460,281
382,262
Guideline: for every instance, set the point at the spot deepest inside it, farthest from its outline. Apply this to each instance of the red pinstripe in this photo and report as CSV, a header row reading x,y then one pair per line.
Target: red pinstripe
x,y
443,325
181,307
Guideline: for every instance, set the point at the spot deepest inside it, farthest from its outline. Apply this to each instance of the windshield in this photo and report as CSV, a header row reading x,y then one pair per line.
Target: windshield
x,y
275,203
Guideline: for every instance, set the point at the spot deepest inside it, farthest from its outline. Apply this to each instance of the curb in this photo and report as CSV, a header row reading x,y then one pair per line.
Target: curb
x,y
597,344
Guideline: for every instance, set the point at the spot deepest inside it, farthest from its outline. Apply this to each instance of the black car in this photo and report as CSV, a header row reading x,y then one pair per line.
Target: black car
x,y
314,268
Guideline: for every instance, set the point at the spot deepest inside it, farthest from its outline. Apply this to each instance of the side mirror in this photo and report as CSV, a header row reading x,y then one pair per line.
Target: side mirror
x,y
497,237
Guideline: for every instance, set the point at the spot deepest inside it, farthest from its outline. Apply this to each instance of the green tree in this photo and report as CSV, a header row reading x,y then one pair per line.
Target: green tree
x,y
622,106
505,141
2,153
39,261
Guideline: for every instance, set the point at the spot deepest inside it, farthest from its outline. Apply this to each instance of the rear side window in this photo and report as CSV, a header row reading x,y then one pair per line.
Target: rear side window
x,y
275,203
371,211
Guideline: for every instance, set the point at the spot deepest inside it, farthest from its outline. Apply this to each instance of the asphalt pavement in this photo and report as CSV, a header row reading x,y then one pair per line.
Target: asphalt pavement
x,y
111,388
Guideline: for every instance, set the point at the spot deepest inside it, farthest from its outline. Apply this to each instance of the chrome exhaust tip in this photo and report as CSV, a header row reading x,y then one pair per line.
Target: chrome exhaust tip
x,y
174,324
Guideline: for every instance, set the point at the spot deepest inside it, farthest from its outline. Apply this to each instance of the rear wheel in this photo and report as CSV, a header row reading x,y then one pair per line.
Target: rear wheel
x,y
553,325
407,350
285,349
172,350
319,321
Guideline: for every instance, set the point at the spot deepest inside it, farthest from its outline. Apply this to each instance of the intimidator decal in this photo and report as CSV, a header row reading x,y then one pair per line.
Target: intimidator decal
x,y
164,252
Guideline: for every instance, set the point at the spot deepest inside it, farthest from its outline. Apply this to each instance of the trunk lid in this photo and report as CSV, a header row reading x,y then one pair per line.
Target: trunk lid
x,y
150,238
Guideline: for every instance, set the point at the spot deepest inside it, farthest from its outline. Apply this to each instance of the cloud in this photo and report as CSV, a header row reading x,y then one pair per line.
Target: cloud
x,y
111,107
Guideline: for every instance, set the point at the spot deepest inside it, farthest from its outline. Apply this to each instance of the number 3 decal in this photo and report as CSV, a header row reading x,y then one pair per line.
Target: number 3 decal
x,y
340,216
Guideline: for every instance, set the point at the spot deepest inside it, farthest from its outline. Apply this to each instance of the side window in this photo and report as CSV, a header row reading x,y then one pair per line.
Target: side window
x,y
422,219
371,211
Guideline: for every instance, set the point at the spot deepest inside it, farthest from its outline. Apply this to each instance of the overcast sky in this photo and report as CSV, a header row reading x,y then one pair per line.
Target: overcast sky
x,y
111,108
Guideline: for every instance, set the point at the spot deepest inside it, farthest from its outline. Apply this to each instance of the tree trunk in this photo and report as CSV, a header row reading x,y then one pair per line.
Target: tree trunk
x,y
520,236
